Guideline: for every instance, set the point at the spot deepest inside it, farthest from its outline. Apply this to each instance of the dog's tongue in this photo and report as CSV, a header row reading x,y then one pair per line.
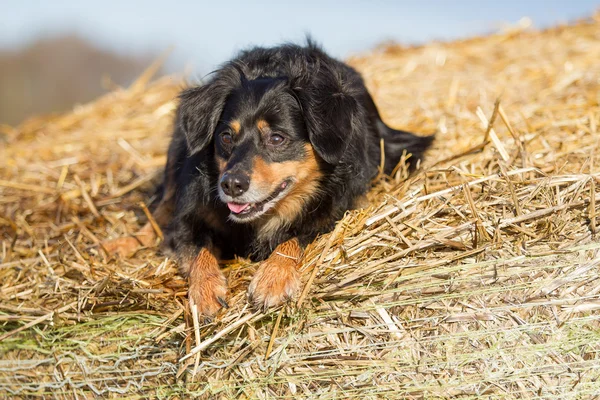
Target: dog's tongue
x,y
237,208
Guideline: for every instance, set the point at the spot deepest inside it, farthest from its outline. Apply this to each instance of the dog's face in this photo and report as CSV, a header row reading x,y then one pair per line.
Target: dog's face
x,y
272,137
263,152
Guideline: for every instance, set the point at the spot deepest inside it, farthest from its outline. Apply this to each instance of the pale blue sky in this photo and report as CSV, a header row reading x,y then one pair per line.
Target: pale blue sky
x,y
206,33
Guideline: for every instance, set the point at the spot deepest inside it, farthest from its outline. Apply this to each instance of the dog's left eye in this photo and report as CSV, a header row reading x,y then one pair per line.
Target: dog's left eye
x,y
226,138
276,139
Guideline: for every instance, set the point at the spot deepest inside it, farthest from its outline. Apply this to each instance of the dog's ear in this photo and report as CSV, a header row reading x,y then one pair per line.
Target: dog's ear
x,y
199,111
331,112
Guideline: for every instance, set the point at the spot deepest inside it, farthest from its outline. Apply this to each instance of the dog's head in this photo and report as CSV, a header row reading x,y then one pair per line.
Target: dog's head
x,y
272,137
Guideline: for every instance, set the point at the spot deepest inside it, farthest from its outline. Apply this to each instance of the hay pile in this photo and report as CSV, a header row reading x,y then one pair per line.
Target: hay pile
x,y
477,276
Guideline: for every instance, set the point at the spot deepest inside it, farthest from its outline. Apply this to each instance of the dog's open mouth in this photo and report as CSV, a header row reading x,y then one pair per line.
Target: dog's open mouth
x,y
248,211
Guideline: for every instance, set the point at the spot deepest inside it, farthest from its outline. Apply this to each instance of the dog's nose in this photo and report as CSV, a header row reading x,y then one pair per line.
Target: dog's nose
x,y
234,183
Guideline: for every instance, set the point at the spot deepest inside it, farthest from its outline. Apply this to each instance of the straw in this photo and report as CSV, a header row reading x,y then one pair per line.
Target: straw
x,y
476,277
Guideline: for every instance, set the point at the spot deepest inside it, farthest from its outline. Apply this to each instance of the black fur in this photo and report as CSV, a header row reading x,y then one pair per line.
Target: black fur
x,y
321,101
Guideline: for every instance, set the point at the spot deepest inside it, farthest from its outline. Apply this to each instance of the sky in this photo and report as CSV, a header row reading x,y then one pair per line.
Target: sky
x,y
204,34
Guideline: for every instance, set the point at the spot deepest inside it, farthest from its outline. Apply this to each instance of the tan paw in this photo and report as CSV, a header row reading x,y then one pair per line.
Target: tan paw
x,y
208,286
128,245
123,246
274,283
209,295
146,235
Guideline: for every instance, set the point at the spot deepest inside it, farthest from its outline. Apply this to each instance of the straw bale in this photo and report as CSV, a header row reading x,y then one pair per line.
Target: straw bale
x,y
477,276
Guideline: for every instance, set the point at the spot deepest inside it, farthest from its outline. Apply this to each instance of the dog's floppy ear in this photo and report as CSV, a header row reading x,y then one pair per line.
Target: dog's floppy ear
x,y
199,111
331,112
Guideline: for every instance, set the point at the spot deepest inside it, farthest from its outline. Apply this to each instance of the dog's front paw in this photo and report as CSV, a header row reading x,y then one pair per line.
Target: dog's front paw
x,y
209,294
207,285
273,284
277,278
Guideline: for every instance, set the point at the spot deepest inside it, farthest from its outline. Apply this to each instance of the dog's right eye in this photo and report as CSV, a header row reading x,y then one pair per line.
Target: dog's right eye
x,y
276,139
226,138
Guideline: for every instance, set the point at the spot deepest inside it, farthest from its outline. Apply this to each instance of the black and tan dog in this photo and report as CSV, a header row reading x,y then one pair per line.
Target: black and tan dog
x,y
265,156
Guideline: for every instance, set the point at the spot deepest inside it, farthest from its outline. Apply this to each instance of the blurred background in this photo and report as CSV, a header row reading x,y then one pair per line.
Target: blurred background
x,y
54,54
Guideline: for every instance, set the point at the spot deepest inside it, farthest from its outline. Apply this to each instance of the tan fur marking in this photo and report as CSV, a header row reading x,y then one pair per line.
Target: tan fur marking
x,y
263,174
235,126
127,246
269,175
123,246
207,284
262,125
277,279
306,173
221,164
146,236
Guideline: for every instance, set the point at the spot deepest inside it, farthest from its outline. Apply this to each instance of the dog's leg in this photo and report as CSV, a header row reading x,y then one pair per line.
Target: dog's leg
x,y
145,237
127,245
207,284
277,278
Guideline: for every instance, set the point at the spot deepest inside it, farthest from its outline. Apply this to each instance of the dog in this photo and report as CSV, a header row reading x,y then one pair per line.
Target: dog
x,y
268,154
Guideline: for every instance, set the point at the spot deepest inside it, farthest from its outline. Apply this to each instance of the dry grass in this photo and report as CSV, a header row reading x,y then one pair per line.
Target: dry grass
x,y
476,277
